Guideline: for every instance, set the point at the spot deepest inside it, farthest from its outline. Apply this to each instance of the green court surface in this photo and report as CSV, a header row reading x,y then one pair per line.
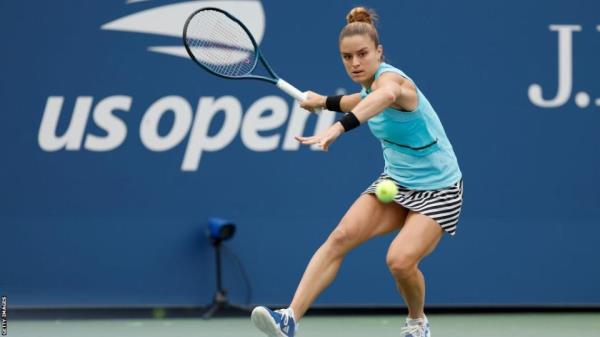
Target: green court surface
x,y
445,325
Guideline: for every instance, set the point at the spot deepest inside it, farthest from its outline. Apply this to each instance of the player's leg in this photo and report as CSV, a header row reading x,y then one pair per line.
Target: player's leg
x,y
417,239
366,218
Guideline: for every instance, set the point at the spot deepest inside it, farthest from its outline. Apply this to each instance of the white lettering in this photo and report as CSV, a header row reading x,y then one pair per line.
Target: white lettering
x,y
266,114
565,69
71,139
199,140
297,125
116,130
254,121
149,125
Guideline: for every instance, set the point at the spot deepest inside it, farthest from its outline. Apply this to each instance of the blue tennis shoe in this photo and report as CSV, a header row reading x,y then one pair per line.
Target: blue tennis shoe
x,y
278,323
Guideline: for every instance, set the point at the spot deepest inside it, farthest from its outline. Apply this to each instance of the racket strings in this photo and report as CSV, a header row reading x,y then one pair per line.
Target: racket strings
x,y
220,44
224,30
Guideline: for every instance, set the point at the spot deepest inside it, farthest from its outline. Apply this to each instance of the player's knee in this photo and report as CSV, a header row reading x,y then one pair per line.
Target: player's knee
x,y
339,241
402,265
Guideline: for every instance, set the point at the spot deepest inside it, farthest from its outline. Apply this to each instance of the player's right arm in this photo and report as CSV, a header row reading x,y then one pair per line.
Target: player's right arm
x,y
348,102
314,101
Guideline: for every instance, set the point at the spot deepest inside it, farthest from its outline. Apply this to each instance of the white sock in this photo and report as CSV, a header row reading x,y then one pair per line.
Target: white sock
x,y
416,321
291,312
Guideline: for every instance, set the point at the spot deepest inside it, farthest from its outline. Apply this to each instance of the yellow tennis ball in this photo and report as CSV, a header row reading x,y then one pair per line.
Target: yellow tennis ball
x,y
386,190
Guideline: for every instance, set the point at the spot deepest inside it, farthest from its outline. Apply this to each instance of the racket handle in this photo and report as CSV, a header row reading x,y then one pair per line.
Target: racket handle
x,y
293,91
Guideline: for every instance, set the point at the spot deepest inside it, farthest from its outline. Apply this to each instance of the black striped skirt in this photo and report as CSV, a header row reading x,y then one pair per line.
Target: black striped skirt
x,y
442,205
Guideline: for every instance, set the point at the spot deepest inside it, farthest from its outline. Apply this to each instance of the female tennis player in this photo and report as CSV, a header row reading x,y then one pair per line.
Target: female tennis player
x,y
418,158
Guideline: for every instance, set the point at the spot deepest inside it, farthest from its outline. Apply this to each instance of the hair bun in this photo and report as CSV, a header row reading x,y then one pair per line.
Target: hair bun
x,y
361,14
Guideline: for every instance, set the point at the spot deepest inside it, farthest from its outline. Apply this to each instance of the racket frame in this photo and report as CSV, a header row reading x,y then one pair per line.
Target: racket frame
x,y
259,56
279,82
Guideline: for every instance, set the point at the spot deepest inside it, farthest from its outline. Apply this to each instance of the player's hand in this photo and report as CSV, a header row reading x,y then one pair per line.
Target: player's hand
x,y
325,138
313,101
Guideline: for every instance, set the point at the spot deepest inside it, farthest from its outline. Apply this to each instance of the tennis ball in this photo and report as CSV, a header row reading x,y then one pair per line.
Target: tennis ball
x,y
386,190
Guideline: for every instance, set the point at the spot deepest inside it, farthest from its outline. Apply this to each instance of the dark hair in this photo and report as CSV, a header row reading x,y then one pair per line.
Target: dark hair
x,y
360,21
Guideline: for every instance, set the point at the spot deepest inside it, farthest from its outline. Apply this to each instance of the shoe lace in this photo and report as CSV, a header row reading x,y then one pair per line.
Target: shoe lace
x,y
412,330
285,315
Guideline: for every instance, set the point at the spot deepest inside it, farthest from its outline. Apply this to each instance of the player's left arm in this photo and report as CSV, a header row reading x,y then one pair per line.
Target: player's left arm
x,y
389,90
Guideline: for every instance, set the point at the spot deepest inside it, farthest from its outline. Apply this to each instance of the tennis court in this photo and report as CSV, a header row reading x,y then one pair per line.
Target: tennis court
x,y
446,325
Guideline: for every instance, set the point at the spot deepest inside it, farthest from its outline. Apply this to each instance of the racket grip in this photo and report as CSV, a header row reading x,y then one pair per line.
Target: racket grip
x,y
293,91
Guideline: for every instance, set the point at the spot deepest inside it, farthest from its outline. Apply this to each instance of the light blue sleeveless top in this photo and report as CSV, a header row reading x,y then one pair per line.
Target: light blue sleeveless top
x,y
416,150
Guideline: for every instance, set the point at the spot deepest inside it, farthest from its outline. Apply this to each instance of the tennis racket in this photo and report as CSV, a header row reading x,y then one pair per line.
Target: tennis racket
x,y
223,45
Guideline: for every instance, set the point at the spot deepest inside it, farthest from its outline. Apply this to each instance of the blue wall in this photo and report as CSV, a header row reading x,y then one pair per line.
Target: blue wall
x,y
115,215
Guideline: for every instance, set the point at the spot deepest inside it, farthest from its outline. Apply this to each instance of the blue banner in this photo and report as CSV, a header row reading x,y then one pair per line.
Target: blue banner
x,y
118,148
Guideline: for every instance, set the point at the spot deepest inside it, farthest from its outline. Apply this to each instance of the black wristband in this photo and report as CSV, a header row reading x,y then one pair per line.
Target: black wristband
x,y
349,121
332,103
